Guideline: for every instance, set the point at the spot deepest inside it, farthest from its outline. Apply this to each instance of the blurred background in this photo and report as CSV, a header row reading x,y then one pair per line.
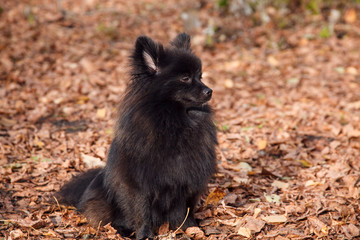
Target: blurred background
x,y
286,81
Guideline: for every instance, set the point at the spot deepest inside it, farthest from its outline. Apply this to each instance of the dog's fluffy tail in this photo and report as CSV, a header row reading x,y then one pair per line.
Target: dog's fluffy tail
x,y
71,193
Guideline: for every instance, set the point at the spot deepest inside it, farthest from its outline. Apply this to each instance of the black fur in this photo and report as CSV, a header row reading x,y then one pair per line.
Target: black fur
x,y
163,152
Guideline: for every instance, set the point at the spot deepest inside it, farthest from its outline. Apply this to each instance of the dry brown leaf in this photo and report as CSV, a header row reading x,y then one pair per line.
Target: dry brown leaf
x,y
350,131
334,144
203,214
6,122
350,16
92,162
16,234
279,184
352,71
254,224
101,113
351,231
305,163
312,183
229,83
195,233
273,61
275,219
354,105
164,229
319,227
243,231
214,197
261,144
88,65
257,211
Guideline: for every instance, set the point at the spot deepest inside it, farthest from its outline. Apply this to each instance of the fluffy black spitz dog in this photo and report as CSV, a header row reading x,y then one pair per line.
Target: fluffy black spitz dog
x,y
163,152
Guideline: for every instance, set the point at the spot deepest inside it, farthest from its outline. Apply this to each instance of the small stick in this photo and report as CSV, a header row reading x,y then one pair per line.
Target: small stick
x,y
57,202
98,228
187,214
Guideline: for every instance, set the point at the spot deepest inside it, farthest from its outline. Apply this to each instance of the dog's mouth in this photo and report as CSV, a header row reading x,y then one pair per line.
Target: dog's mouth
x,y
194,103
196,106
203,108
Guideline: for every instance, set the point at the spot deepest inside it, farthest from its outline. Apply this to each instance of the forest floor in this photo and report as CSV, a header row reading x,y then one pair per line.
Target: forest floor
x,y
286,96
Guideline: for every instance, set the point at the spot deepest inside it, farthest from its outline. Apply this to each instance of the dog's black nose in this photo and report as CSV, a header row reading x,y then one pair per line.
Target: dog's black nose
x,y
207,92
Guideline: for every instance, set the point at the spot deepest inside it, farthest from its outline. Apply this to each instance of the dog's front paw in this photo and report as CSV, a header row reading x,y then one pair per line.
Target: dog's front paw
x,y
144,232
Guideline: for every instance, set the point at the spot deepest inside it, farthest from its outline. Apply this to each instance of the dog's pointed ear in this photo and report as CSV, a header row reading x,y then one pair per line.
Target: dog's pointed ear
x,y
182,41
147,54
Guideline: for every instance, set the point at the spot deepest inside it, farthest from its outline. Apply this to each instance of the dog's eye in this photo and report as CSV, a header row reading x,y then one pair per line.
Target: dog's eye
x,y
186,79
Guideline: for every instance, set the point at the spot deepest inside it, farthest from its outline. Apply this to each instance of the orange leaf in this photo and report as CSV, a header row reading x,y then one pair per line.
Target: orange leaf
x,y
350,16
261,144
215,196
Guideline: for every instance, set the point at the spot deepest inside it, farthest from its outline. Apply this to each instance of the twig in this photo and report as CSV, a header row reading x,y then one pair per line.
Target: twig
x,y
57,202
98,229
187,214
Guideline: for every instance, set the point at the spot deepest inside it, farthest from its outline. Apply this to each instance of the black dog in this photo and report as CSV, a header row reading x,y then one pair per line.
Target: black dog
x,y
163,152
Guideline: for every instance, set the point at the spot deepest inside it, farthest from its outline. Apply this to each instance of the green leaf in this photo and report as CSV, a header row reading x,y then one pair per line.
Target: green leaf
x,y
245,129
222,3
313,7
325,32
304,163
340,70
292,81
225,128
272,198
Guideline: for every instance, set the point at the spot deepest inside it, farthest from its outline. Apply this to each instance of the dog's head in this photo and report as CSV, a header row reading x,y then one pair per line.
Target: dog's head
x,y
174,73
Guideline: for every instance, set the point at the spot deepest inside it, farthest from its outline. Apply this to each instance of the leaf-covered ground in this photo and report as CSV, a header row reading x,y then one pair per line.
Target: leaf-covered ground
x,y
286,95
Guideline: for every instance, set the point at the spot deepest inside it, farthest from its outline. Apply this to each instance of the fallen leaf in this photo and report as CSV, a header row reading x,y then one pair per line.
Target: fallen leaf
x,y
92,162
275,219
350,131
255,225
243,231
319,227
340,70
82,99
88,65
261,144
6,122
354,105
195,233
229,83
304,163
312,183
272,61
101,113
272,198
244,166
36,114
16,234
230,198
350,16
163,229
215,196
280,184
230,222
334,144
38,143
257,211
56,220
351,70
292,81
351,231
203,214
